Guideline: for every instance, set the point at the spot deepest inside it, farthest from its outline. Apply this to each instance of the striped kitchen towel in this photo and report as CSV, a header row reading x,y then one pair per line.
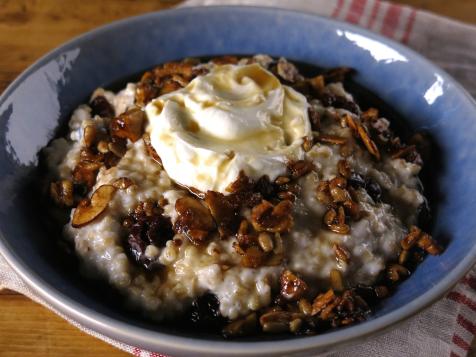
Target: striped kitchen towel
x,y
448,327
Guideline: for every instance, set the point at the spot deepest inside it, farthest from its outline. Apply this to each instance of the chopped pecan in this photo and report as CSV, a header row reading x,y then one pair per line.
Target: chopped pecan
x,y
317,83
122,183
322,301
85,173
128,125
292,287
88,210
194,219
224,211
242,183
270,218
62,193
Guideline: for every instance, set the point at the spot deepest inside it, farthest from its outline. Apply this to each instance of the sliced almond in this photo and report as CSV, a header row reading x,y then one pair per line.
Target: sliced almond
x,y
88,210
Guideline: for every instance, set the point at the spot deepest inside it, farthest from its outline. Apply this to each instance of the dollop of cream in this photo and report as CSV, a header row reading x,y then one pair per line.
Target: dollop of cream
x,y
235,118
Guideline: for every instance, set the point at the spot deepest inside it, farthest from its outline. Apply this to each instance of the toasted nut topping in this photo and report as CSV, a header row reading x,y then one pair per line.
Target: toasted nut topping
x,y
241,327
62,193
88,210
317,83
332,139
403,257
295,325
335,221
396,271
369,144
338,182
299,168
89,135
307,143
403,152
122,183
266,217
428,244
194,219
305,306
381,291
150,149
292,287
253,257
337,282
342,254
118,147
339,195
265,242
344,169
321,301
128,125
370,114
103,147
287,71
281,180
277,321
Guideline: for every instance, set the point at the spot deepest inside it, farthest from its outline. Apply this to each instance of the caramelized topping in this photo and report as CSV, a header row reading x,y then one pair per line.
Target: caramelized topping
x,y
194,219
128,125
270,218
292,287
88,210
62,193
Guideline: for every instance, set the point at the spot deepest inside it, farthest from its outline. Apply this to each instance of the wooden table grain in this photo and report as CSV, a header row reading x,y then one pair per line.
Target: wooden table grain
x,y
28,29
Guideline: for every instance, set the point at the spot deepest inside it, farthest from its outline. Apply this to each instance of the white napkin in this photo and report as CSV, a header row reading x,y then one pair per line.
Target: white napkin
x,y
448,327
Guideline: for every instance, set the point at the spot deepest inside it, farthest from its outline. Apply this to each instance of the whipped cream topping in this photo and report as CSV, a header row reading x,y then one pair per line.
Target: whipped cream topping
x,y
235,118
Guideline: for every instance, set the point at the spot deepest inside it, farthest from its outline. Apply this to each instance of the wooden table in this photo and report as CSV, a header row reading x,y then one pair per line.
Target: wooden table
x,y
28,29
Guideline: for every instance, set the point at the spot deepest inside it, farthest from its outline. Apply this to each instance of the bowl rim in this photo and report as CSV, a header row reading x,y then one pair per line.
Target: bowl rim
x,y
168,343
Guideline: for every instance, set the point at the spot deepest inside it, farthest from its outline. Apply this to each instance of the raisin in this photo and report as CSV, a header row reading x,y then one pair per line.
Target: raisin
x,y
373,189
101,106
205,312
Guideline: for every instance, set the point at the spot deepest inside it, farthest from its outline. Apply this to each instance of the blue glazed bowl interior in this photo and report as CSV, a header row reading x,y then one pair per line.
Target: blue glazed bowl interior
x,y
38,103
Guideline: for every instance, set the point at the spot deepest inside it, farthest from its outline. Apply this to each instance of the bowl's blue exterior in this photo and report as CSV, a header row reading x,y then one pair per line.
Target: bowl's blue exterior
x,y
43,96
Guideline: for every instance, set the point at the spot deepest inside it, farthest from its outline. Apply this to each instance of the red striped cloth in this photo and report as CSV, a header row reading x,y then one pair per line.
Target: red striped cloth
x,y
449,326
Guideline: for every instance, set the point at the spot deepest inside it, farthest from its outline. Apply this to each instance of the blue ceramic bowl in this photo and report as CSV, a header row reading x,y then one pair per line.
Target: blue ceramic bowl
x,y
34,106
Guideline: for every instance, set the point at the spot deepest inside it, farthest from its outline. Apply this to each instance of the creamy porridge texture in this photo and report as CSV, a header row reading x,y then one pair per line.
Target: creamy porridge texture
x,y
272,195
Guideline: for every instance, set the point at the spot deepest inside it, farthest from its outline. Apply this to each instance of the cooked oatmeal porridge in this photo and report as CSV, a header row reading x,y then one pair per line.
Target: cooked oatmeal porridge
x,y
242,185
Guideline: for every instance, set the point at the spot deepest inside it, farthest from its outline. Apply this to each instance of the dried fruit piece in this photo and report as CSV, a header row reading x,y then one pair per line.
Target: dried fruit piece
x,y
128,125
194,219
270,218
88,210
292,287
62,193
101,106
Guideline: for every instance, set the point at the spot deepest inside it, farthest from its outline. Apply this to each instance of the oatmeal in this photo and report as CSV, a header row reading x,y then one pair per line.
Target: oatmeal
x,y
272,195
